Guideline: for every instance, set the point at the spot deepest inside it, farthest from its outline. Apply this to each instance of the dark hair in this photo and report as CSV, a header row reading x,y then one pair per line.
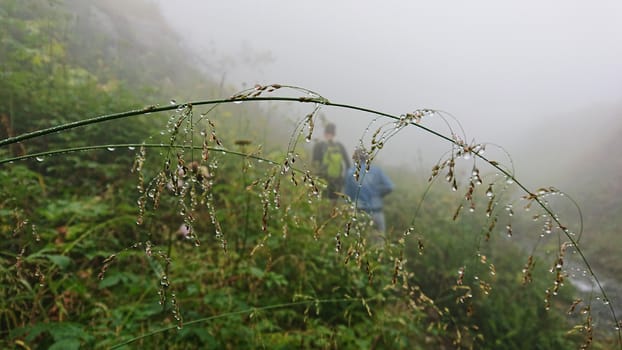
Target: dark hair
x,y
360,154
330,129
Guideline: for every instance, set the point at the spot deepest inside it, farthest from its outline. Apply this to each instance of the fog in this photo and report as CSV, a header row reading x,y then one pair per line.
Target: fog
x,y
536,77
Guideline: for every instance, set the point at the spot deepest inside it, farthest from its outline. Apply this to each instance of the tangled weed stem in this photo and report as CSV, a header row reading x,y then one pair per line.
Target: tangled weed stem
x,y
244,312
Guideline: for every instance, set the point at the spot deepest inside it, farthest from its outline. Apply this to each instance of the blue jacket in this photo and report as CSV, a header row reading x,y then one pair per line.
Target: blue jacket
x,y
369,189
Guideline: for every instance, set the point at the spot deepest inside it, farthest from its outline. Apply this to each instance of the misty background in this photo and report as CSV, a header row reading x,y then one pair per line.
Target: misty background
x,y
541,79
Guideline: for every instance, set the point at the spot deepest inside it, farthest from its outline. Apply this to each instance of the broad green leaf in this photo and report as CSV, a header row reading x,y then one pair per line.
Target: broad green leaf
x,y
66,344
60,260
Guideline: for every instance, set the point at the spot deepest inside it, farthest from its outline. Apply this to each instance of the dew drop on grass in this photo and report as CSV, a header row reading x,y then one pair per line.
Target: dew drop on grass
x,y
173,102
489,191
110,148
164,281
39,159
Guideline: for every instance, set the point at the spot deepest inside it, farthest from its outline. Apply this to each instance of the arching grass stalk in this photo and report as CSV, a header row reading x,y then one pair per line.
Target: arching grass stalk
x,y
243,97
253,95
246,311
530,195
137,112
240,97
130,146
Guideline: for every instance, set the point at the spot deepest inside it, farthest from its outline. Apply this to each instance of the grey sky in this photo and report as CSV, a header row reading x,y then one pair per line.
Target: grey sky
x,y
502,68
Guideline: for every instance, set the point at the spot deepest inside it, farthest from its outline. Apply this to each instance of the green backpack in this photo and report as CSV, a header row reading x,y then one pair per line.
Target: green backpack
x,y
332,162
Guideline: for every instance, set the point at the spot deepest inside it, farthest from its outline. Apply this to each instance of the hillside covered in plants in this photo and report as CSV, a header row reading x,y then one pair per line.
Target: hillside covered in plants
x,y
145,204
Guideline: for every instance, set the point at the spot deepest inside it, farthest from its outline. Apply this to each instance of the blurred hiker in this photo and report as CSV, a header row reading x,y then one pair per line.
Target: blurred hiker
x,y
368,191
331,160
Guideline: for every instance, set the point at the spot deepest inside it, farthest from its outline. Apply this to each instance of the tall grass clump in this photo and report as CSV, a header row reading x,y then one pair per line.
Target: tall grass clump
x,y
217,240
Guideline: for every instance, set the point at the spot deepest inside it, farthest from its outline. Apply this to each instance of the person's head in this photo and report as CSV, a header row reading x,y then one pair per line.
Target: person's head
x,y
360,155
329,131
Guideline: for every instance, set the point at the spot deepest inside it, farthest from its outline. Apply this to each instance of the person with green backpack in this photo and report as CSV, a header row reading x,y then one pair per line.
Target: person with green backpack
x,y
331,161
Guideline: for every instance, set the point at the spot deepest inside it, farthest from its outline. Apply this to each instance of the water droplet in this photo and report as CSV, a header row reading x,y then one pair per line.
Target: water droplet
x,y
164,281
131,148
110,148
489,191
173,102
39,158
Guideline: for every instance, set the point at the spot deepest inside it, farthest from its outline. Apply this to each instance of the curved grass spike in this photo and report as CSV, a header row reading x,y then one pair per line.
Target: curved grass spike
x,y
460,150
128,146
243,312
254,94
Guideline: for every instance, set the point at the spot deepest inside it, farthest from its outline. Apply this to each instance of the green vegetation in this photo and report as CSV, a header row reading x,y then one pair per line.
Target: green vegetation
x,y
189,225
